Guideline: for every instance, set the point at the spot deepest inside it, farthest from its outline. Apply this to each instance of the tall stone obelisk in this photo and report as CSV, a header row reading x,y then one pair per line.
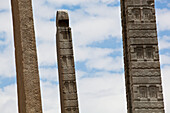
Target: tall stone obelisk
x,y
28,84
141,57
67,79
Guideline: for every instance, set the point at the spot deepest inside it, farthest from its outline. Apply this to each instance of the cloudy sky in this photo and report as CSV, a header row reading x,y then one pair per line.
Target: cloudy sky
x,y
98,52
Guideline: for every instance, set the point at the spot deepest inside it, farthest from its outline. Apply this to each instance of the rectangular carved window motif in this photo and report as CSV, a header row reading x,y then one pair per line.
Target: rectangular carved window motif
x,y
139,14
64,61
139,52
148,92
149,52
153,91
66,35
71,110
144,53
143,91
136,13
66,87
147,14
67,61
70,61
69,87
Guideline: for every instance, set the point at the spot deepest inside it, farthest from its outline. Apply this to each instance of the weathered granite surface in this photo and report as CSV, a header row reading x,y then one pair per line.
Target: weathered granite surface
x,y
141,57
28,84
66,68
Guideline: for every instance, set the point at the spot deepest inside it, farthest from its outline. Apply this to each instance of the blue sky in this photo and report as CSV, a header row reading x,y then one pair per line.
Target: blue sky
x,y
96,29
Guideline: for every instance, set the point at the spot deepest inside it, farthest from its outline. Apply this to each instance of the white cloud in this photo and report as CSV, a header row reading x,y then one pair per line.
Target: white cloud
x,y
163,17
165,59
166,89
47,55
49,74
50,97
6,44
5,4
85,53
99,58
97,24
164,42
7,67
102,94
6,28
8,97
59,3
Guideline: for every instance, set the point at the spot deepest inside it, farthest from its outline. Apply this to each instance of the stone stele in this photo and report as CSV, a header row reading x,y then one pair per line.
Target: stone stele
x,y
67,79
28,84
141,57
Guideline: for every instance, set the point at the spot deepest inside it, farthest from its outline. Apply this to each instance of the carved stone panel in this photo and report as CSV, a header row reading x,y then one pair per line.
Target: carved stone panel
x,y
147,14
69,87
67,61
71,110
139,52
143,91
153,91
149,52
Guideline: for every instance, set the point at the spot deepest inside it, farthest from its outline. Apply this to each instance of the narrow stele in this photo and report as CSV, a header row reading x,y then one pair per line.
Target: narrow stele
x,y
141,57
66,68
28,84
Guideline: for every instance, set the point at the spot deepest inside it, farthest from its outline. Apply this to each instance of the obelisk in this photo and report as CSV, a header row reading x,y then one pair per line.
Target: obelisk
x,y
28,83
66,68
141,57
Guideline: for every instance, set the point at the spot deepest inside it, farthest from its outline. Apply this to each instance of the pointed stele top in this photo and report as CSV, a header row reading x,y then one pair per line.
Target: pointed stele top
x,y
62,19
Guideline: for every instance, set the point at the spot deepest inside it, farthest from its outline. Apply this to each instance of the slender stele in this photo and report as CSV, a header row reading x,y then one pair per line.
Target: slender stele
x,y
141,57
66,68
28,84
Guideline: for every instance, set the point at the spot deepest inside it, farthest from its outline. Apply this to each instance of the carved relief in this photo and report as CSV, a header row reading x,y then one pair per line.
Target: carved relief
x,y
65,87
139,52
65,34
144,2
147,14
149,52
64,61
70,61
71,110
136,13
153,90
69,87
67,61
148,92
73,87
136,1
141,14
140,2
144,53
143,91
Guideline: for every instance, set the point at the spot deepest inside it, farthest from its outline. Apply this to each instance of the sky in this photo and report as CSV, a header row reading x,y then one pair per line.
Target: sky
x,y
98,51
